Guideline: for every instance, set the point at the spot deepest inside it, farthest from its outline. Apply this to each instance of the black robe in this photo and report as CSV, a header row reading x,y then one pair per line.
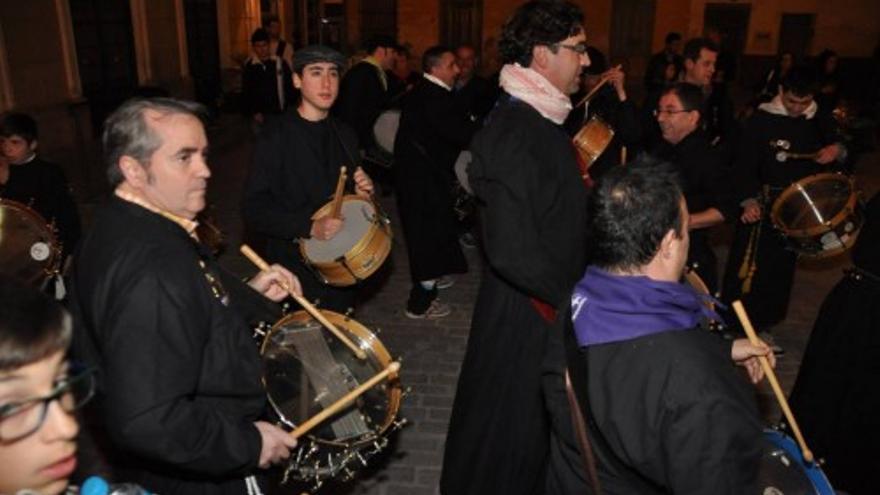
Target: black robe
x,y
667,413
43,186
756,164
835,398
294,173
705,181
433,131
259,86
532,206
477,97
362,97
179,373
621,116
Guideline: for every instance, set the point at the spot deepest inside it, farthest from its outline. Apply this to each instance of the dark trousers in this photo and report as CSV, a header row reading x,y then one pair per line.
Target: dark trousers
x,y
420,298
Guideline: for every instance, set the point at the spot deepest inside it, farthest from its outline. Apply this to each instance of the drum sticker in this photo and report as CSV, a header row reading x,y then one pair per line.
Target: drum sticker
x,y
40,251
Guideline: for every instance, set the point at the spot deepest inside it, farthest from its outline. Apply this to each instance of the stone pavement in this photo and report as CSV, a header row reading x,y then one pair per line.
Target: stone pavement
x,y
432,351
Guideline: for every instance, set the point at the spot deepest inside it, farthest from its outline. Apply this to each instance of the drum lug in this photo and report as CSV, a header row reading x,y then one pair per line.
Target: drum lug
x,y
400,423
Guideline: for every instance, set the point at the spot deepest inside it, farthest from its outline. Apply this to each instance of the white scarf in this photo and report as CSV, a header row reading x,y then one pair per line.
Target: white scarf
x,y
532,88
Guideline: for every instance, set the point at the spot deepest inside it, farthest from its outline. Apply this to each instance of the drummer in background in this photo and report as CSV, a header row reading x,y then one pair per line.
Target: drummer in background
x,y
180,402
704,175
835,398
433,131
667,411
760,270
612,106
295,170
28,179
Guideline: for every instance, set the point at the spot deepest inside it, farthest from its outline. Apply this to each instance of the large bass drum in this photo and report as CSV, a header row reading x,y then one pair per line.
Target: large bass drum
x,y
306,369
29,250
784,472
819,215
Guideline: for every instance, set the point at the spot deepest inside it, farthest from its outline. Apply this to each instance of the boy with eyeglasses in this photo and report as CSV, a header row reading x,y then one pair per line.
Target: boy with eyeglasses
x,y
39,391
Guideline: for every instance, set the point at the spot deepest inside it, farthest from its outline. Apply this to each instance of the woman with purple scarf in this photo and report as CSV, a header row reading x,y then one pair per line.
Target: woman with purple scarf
x,y
667,410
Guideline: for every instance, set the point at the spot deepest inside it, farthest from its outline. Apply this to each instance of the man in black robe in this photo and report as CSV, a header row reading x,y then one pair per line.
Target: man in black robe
x,y
28,179
666,410
265,81
472,90
363,93
510,426
835,398
704,174
433,131
655,74
760,269
295,170
179,394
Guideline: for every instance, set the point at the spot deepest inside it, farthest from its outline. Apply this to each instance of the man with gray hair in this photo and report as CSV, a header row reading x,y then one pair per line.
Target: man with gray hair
x,y
180,399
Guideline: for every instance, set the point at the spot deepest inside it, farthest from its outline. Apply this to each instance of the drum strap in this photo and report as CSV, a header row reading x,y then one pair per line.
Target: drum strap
x,y
580,430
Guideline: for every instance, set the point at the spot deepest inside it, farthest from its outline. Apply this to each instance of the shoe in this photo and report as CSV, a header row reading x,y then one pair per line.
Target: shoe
x,y
437,309
467,240
444,282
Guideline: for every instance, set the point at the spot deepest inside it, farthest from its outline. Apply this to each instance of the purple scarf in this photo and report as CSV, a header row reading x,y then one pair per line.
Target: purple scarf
x,y
612,308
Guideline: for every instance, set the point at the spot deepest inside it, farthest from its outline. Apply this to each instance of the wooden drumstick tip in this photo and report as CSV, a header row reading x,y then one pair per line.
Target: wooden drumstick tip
x,y
394,367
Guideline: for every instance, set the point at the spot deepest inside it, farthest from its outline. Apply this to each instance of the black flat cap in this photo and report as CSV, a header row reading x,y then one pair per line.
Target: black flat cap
x,y
313,54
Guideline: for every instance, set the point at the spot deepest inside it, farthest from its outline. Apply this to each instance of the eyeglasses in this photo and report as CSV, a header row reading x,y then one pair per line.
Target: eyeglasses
x,y
580,48
21,419
658,111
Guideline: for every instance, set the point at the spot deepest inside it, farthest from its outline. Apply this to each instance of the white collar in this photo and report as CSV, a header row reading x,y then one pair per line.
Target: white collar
x,y
437,81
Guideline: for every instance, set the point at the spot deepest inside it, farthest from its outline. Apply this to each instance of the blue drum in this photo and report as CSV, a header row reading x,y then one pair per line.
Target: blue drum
x,y
784,471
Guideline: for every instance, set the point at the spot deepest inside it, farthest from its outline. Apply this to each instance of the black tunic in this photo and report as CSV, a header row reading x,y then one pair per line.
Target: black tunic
x,y
43,186
705,181
756,164
477,97
433,131
532,204
362,97
259,86
835,398
179,371
667,413
294,172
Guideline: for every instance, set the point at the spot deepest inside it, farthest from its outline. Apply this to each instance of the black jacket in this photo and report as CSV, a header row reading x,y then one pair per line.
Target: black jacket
x,y
259,86
179,371
362,97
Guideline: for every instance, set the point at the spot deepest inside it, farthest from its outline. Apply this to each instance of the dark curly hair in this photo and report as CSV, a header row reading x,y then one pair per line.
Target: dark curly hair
x,y
539,22
631,209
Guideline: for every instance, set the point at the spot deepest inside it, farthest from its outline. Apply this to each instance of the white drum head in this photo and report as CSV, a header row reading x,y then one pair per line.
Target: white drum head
x,y
385,129
358,215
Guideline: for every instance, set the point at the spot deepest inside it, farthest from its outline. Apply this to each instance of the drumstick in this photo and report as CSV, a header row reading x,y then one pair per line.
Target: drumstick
x,y
771,377
315,420
262,265
596,88
337,195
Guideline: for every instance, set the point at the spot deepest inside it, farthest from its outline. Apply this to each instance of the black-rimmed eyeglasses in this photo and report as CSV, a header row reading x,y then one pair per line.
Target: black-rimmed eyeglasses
x,y
659,111
21,419
580,48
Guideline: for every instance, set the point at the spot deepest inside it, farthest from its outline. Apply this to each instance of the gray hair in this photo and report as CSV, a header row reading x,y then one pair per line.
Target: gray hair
x,y
127,133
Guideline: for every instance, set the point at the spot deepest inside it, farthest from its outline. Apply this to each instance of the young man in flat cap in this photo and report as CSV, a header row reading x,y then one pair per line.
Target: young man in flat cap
x,y
295,169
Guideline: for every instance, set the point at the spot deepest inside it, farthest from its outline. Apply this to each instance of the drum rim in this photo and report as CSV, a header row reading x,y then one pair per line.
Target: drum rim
x,y
54,263
375,350
578,138
848,209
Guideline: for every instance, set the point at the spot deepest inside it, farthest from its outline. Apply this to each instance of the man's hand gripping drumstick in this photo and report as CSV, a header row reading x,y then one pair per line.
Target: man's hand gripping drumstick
x,y
262,265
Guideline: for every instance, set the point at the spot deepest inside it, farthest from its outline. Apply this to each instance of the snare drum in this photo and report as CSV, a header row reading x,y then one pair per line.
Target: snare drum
x,y
820,215
385,133
306,369
357,250
592,139
784,471
29,250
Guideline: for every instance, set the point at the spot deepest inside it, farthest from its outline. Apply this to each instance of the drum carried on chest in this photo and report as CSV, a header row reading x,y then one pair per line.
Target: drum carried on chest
x,y
29,250
385,132
357,250
592,139
784,471
819,215
306,369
